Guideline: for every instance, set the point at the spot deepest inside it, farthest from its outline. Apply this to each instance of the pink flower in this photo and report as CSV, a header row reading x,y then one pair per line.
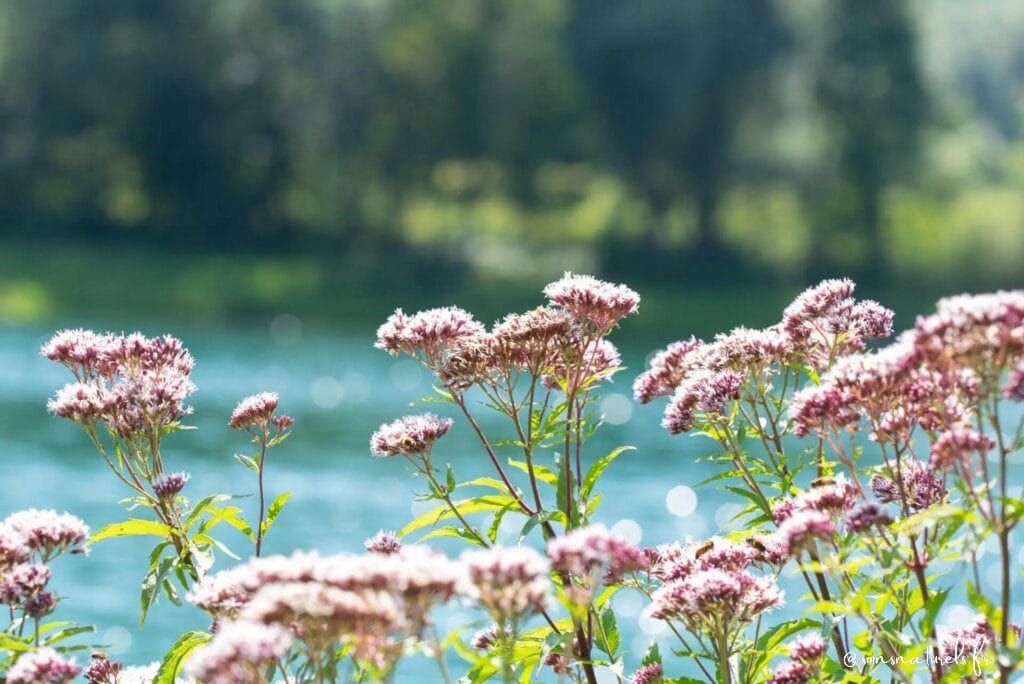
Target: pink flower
x,y
589,551
867,516
588,299
432,333
485,638
599,363
833,496
961,645
256,410
238,653
508,582
913,484
13,549
166,486
712,598
648,674
803,527
102,670
384,542
807,648
705,392
46,531
954,449
411,435
42,666
22,582
533,340
668,368
80,402
792,672
80,350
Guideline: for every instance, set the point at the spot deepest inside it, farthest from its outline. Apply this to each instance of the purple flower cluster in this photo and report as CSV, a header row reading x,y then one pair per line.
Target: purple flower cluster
x,y
509,583
409,436
132,384
44,532
913,484
968,641
954,450
239,653
384,542
588,299
166,486
592,552
257,411
648,674
102,670
42,666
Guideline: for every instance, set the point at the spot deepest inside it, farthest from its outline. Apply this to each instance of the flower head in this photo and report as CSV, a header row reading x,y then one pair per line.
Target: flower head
x,y
102,670
648,674
912,483
409,435
969,640
803,527
807,648
431,334
22,582
668,367
508,582
953,450
79,402
484,639
254,411
42,666
792,672
238,653
45,531
166,486
867,516
715,597
384,542
596,301
704,391
589,551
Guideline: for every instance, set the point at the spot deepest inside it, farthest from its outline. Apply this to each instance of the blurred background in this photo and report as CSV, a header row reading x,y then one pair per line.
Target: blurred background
x,y
268,180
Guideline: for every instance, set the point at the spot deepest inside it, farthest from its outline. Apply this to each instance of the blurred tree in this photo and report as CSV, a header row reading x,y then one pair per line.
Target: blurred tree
x,y
673,80
870,90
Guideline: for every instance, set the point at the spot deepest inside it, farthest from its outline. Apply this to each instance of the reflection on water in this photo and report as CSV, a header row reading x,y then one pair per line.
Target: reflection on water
x,y
338,389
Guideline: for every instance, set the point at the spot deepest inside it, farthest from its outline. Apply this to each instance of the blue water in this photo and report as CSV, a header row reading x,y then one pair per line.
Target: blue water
x,y
338,389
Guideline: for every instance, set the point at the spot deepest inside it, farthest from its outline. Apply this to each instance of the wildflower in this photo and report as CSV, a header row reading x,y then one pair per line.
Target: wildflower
x,y
509,583
968,641
80,350
600,361
411,435
384,542
22,582
534,340
145,674
46,531
749,350
668,368
978,331
432,333
238,653
38,605
833,496
955,448
588,550
866,516
13,549
589,299
705,392
808,648
913,484
42,666
166,486
102,670
323,614
485,638
254,411
803,527
80,402
714,597
648,674
769,549
871,319
558,663
792,672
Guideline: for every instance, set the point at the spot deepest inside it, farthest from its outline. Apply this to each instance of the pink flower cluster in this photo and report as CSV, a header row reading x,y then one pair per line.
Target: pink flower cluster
x,y
42,666
23,587
600,303
366,602
954,450
239,653
509,583
166,486
833,496
963,644
133,384
558,343
257,411
823,323
102,670
44,532
409,436
593,552
806,653
384,542
648,674
913,484
709,586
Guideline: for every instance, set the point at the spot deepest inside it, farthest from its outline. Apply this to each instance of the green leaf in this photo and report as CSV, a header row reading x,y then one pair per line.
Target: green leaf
x,y
248,461
232,515
466,506
590,479
151,584
275,510
203,504
608,635
542,473
171,663
132,527
652,656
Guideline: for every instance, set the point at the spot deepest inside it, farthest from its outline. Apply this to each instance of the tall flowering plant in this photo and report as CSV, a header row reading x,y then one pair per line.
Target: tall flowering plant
x,y
867,477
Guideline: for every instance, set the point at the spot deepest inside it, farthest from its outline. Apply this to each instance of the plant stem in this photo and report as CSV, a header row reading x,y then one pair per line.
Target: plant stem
x,y
259,476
